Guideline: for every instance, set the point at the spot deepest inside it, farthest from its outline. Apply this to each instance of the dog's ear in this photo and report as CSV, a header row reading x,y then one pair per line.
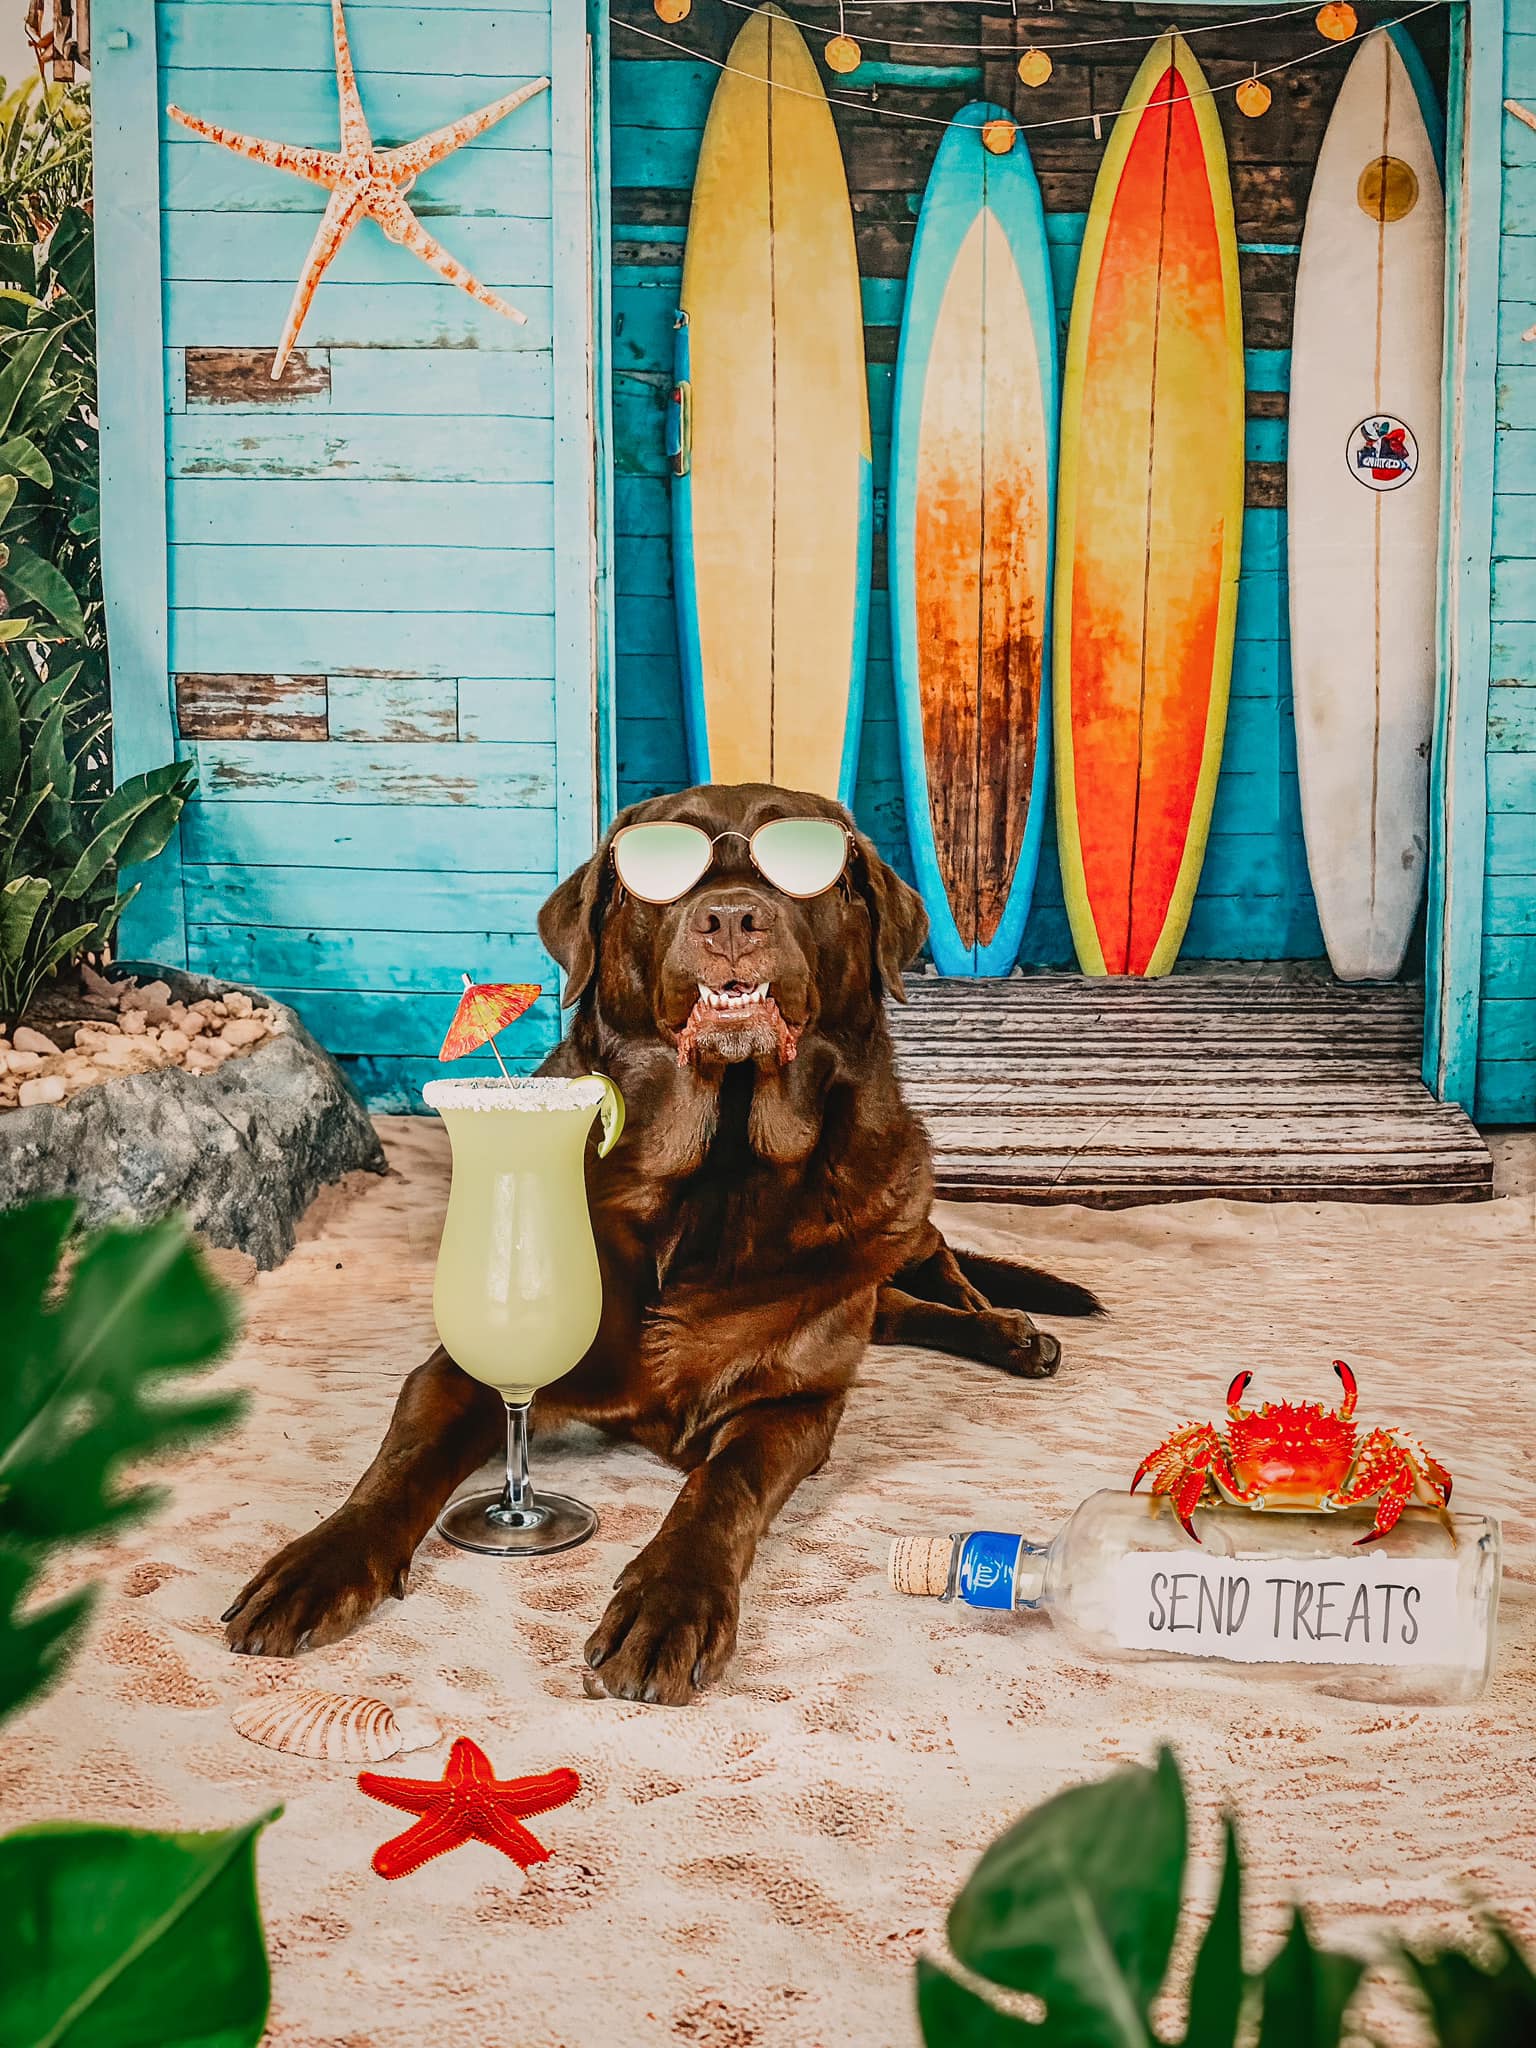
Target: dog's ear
x,y
570,922
896,913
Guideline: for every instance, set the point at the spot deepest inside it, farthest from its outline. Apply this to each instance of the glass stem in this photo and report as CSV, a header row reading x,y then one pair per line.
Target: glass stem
x,y
519,1494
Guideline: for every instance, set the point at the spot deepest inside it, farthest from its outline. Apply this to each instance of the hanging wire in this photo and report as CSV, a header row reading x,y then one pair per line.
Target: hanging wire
x,y
1200,28
1025,127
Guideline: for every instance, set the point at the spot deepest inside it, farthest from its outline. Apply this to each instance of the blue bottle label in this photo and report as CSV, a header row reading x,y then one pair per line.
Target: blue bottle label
x,y
988,1562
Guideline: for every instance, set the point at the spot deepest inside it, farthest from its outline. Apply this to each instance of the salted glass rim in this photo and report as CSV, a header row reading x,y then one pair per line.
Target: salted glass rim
x,y
516,1091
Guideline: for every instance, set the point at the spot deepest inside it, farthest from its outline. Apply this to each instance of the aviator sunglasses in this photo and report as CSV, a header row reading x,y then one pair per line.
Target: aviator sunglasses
x,y
661,861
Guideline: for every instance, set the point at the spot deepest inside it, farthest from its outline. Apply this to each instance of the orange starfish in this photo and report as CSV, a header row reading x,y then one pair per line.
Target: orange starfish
x,y
469,1803
366,182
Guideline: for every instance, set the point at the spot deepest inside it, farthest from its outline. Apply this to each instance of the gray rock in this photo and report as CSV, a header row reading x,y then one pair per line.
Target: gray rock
x,y
241,1152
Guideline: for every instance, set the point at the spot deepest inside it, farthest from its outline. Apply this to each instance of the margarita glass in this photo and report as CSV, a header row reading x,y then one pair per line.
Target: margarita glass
x,y
518,1294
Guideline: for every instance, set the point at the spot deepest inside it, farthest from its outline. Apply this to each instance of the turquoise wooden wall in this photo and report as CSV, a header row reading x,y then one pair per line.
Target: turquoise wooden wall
x,y
1506,1048
371,577
399,550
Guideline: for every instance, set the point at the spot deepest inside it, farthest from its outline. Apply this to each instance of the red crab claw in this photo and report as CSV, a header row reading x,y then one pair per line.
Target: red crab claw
x,y
1237,1389
1347,1381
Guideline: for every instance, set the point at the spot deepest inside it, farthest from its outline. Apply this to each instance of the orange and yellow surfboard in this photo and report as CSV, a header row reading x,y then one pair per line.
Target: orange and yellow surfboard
x,y
1149,523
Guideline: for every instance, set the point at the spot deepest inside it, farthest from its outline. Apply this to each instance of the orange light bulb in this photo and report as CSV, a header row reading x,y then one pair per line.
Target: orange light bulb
x,y
672,11
999,136
1336,21
1253,97
1034,67
843,54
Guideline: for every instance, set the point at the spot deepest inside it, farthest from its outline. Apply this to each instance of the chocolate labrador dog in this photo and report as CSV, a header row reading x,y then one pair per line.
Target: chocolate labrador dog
x,y
764,1217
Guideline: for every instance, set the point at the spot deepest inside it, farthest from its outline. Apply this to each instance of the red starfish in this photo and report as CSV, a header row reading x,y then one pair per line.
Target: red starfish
x,y
468,1803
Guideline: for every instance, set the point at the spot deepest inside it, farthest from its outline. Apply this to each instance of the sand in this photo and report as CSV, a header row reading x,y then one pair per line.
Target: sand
x,y
759,1870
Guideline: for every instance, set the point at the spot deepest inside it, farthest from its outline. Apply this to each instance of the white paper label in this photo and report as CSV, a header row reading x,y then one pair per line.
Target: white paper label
x,y
1290,1610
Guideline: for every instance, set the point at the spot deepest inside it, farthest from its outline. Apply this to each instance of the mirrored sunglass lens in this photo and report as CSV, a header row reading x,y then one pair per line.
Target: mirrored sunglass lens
x,y
660,862
801,856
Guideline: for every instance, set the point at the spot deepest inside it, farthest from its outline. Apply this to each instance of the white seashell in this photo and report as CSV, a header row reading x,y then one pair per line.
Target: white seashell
x,y
335,1727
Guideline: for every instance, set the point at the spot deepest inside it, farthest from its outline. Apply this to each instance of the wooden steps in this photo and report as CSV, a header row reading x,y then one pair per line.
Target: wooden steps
x,y
1269,1083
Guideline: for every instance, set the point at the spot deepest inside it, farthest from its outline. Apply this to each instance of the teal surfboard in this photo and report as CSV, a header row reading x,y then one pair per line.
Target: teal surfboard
x,y
973,478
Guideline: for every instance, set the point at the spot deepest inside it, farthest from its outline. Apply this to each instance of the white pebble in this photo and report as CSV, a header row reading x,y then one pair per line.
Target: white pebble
x,y
135,1023
25,1039
45,1088
22,1062
174,1042
238,1004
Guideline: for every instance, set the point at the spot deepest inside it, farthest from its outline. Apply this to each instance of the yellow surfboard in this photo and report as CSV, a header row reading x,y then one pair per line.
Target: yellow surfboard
x,y
1149,523
771,448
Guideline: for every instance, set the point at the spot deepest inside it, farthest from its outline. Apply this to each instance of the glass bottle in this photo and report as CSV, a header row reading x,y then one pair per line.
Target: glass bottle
x,y
1409,1617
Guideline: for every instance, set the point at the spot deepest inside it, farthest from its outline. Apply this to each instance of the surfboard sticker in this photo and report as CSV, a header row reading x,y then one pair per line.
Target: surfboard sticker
x,y
1366,361
972,478
1149,523
772,488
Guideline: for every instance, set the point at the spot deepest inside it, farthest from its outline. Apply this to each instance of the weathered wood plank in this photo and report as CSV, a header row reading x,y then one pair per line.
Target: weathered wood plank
x,y
269,512
257,707
1290,1087
442,449
236,577
394,708
198,177
450,838
359,1021
400,105
243,376
331,958
202,314
271,247
508,38
324,642
363,899
506,775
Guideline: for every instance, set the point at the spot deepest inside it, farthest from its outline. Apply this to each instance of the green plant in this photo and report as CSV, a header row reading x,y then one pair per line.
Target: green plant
x,y
1078,1905
60,852
45,156
113,1935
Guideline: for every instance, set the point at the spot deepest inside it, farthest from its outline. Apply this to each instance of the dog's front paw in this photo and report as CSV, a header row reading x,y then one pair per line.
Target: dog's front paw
x,y
664,1635
315,1591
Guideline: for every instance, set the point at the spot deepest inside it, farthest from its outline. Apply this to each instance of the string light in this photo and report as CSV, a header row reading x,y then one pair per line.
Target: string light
x,y
1200,28
672,11
1336,21
1034,67
999,136
1096,119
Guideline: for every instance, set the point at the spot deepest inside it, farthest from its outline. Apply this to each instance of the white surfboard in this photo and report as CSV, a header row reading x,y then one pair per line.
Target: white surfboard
x,y
1364,505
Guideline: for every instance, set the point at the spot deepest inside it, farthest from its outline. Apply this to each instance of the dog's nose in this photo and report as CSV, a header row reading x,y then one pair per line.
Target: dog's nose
x,y
733,925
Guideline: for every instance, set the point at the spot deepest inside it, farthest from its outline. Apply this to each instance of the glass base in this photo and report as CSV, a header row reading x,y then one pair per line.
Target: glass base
x,y
550,1522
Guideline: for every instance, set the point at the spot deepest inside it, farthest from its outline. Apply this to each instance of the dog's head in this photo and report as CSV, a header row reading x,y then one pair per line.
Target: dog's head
x,y
735,969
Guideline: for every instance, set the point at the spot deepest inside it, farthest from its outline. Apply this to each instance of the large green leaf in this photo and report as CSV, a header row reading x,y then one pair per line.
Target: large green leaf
x,y
139,1307
954,2017
39,1642
1475,2007
1217,1989
21,457
1079,1902
20,901
24,365
1306,1992
118,1939
10,738
40,583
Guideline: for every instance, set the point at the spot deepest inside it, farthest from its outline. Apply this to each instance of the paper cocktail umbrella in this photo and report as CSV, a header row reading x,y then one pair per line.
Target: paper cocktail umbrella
x,y
485,1008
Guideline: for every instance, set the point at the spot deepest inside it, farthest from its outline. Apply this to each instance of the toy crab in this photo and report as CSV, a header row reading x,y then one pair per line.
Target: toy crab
x,y
1296,1454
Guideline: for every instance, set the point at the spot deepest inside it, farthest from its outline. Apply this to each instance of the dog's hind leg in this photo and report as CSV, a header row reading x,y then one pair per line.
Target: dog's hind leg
x,y
1000,1337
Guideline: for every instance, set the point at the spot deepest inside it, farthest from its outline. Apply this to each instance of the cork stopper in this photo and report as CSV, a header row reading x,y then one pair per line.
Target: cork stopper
x,y
920,1564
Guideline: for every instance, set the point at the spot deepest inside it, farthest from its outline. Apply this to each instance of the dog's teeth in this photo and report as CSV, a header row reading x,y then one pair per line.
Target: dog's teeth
x,y
760,991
